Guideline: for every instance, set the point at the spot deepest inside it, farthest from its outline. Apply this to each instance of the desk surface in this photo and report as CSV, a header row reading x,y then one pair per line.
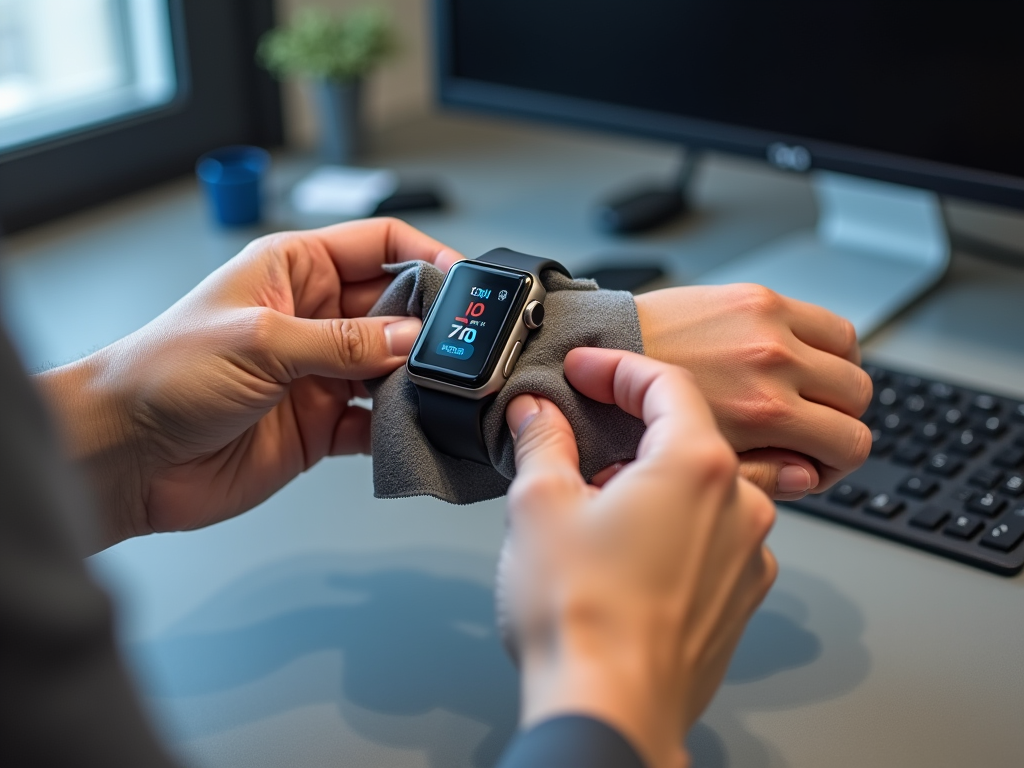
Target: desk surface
x,y
327,628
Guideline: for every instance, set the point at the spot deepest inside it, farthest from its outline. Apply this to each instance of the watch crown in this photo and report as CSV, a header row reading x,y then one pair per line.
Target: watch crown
x,y
533,315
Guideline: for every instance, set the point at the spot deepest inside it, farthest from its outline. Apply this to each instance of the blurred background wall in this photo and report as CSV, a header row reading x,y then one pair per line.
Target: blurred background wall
x,y
399,90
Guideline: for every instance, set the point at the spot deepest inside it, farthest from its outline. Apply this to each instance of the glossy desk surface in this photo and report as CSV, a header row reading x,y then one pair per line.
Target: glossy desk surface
x,y
326,628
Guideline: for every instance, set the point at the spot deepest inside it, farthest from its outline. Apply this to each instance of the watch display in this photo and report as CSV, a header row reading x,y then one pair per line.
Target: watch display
x,y
468,322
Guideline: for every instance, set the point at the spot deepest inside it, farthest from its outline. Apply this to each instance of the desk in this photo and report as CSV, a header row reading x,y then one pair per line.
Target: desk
x,y
326,628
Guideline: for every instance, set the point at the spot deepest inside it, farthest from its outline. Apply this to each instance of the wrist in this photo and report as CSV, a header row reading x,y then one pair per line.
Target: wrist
x,y
652,326
97,430
611,678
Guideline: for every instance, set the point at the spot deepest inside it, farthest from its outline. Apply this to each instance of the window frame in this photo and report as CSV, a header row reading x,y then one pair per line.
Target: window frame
x,y
223,98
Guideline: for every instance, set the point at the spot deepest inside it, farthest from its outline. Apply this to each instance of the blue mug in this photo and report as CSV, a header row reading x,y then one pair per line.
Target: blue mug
x,y
232,178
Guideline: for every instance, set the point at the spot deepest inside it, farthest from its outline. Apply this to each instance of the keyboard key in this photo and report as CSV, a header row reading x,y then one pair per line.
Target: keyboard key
x,y
918,487
930,432
1018,412
848,495
881,443
1011,457
953,416
909,454
985,403
963,495
1019,440
963,526
887,396
967,442
884,505
941,391
987,504
895,424
1005,535
985,477
993,426
943,464
1014,485
930,517
915,404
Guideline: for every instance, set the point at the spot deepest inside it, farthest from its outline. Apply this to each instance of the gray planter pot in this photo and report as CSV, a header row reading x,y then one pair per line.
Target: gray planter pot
x,y
340,115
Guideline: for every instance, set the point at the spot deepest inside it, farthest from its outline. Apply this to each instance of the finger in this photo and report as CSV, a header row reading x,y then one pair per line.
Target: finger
x,y
359,248
608,473
352,433
759,508
839,443
833,381
353,348
769,571
782,475
358,298
739,590
545,446
758,577
314,405
328,425
822,329
664,396
505,616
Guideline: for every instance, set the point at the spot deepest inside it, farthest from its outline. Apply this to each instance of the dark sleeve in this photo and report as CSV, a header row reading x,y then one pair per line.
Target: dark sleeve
x,y
65,698
571,742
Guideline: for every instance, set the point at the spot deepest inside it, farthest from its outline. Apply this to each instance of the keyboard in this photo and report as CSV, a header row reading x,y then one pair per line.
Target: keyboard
x,y
945,474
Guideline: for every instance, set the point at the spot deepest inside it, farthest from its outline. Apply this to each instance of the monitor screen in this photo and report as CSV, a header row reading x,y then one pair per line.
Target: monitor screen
x,y
927,93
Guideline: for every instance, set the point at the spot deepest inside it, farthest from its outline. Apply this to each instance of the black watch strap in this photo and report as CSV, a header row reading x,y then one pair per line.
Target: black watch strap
x,y
509,258
454,425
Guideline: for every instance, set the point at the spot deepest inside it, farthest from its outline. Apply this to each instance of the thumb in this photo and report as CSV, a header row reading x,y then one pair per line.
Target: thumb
x,y
783,475
544,442
342,348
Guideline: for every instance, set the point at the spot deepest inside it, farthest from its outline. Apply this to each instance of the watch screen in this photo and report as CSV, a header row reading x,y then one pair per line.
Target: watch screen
x,y
466,324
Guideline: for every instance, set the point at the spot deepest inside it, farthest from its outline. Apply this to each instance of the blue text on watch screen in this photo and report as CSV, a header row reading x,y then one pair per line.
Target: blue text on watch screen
x,y
467,320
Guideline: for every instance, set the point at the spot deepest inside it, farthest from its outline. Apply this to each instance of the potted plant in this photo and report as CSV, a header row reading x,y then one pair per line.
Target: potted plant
x,y
334,53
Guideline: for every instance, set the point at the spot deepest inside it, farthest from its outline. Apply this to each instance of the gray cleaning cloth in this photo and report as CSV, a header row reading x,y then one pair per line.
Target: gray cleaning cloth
x,y
577,314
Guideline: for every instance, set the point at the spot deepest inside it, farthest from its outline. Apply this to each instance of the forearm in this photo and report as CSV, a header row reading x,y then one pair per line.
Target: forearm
x,y
616,683
97,432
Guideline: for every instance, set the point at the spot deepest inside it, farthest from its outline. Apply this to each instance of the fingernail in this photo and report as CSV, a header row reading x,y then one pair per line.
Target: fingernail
x,y
520,412
401,335
794,479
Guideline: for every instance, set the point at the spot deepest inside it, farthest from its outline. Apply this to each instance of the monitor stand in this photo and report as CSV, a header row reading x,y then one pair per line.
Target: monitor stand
x,y
877,247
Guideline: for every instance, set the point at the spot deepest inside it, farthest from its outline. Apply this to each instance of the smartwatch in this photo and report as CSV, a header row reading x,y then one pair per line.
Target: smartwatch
x,y
470,341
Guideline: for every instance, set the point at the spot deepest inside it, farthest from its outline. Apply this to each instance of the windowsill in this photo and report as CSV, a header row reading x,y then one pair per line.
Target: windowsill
x,y
22,132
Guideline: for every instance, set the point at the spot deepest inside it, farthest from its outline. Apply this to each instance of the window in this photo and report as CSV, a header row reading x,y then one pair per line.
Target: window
x,y
65,64
99,98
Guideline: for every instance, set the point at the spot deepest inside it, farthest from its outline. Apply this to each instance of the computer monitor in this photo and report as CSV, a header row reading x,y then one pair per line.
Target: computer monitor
x,y
886,103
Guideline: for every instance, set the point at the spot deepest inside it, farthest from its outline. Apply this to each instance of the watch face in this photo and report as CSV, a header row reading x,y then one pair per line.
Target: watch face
x,y
468,324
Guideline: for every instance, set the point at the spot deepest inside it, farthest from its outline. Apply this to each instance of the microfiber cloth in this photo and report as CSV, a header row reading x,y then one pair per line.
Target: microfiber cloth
x,y
577,314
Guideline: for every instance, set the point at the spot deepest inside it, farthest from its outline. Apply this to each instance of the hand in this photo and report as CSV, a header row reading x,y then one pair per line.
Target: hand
x,y
242,384
782,377
626,602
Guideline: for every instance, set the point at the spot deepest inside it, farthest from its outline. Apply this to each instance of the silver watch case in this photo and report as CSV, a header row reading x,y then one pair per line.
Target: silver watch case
x,y
520,333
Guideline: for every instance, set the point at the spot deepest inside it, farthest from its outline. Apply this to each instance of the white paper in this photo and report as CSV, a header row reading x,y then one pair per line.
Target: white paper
x,y
342,191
